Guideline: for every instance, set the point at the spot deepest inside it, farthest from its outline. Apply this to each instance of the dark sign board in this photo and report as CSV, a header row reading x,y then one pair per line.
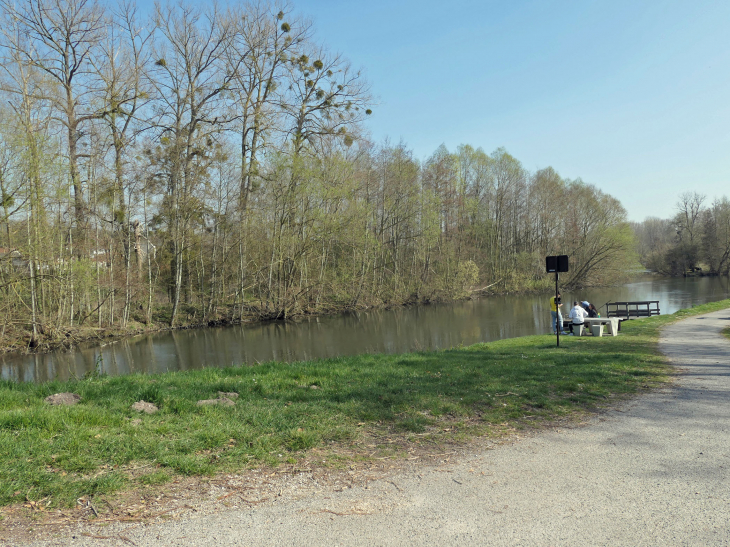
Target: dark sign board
x,y
556,263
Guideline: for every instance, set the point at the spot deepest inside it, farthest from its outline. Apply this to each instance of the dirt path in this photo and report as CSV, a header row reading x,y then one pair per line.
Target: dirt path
x,y
654,472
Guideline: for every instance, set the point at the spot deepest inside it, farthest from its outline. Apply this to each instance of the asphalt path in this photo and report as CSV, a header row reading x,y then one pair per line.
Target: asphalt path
x,y
653,472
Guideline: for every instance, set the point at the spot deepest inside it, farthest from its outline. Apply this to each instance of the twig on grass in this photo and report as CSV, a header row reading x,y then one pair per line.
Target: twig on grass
x,y
93,508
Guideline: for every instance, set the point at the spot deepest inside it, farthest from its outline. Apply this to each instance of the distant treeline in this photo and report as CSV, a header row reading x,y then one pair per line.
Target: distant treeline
x,y
695,241
200,165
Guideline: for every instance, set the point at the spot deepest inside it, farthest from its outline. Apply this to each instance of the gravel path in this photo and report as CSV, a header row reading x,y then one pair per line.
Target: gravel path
x,y
653,473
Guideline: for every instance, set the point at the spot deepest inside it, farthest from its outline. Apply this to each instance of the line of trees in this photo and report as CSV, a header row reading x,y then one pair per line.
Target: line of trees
x,y
696,240
199,164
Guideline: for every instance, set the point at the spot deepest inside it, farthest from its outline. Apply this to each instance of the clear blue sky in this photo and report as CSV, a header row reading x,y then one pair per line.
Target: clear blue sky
x,y
632,96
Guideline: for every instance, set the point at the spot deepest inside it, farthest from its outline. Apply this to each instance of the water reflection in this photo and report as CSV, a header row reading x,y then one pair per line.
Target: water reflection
x,y
402,330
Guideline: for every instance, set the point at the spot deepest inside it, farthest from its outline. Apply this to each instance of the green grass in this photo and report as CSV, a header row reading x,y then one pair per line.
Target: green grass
x,y
59,454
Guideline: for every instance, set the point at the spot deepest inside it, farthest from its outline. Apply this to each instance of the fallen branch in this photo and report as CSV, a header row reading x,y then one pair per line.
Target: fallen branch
x,y
485,288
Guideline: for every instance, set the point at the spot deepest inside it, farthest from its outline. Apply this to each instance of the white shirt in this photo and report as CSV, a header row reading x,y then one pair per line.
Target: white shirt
x,y
577,314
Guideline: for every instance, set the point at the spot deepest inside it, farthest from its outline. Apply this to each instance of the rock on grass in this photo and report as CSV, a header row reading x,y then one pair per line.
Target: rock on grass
x,y
144,406
63,399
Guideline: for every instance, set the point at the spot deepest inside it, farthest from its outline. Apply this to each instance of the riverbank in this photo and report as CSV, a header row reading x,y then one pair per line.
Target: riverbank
x,y
15,336
344,410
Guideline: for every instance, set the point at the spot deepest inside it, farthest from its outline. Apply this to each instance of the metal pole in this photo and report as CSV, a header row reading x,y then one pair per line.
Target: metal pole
x,y
557,310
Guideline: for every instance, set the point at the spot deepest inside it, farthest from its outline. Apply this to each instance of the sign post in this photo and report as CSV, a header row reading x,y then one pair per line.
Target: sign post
x,y
556,264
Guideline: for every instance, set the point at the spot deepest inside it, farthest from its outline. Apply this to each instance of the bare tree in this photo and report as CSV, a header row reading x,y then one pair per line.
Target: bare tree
x,y
60,37
325,97
120,66
30,119
257,58
264,40
190,78
716,236
126,90
689,207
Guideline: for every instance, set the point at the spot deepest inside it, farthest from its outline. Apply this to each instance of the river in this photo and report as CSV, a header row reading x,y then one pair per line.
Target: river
x,y
435,326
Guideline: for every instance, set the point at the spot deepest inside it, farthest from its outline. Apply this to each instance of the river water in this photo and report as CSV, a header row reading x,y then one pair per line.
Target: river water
x,y
435,326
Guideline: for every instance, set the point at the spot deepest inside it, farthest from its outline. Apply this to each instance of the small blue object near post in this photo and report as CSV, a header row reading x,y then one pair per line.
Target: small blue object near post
x,y
556,264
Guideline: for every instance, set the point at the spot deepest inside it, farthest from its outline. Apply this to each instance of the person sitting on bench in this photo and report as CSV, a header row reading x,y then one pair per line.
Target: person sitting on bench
x,y
577,314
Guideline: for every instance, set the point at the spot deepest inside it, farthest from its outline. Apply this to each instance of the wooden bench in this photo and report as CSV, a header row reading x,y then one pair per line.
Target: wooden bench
x,y
631,310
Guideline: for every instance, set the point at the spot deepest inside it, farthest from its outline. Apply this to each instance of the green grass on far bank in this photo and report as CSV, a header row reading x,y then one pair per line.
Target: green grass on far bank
x,y
59,454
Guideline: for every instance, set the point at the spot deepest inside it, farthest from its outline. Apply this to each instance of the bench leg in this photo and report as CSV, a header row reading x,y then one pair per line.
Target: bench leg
x,y
612,327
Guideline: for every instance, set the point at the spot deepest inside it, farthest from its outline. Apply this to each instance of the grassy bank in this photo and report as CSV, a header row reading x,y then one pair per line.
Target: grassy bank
x,y
58,454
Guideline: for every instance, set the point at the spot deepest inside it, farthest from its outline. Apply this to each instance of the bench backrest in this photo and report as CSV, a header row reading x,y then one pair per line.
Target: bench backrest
x,y
646,308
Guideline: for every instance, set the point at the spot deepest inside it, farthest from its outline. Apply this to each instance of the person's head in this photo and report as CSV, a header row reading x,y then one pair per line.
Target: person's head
x,y
575,303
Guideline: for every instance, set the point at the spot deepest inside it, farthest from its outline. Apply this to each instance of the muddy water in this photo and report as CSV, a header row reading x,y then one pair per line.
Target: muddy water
x,y
417,328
